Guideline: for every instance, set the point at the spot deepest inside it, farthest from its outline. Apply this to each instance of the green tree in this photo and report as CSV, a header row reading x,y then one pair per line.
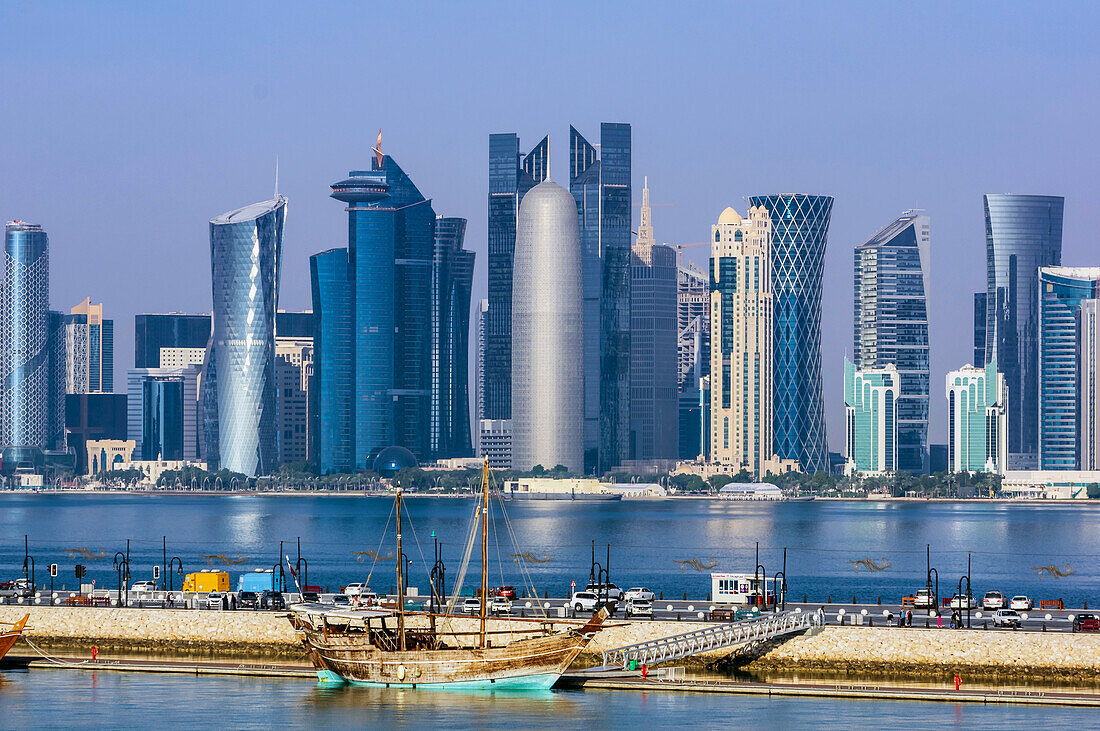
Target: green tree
x,y
717,482
1093,490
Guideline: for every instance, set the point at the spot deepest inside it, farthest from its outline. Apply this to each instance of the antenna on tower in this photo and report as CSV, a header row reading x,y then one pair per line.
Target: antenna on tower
x,y
276,176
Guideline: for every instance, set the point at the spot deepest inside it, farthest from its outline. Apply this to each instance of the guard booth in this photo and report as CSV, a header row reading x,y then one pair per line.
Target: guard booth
x,y
745,589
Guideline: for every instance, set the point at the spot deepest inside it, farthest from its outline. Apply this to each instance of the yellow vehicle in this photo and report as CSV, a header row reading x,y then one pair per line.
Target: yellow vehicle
x,y
207,580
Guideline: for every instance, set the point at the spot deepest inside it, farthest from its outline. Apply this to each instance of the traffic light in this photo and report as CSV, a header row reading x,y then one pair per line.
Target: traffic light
x,y
80,570
53,570
156,573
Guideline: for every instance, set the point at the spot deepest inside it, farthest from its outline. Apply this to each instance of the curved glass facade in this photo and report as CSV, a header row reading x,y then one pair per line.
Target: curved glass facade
x,y
1022,233
245,253
800,227
547,327
25,337
1061,293
331,394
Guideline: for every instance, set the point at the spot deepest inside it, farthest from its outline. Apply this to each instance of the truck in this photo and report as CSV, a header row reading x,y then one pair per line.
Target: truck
x,y
258,580
206,580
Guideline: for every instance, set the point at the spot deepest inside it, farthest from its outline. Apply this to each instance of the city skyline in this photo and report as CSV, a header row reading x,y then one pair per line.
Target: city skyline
x,y
104,171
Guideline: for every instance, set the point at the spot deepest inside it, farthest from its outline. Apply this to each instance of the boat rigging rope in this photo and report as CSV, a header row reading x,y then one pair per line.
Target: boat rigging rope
x,y
54,660
470,534
378,551
522,564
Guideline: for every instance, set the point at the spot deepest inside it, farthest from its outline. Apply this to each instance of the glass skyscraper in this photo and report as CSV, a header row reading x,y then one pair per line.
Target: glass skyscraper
x,y
172,330
373,312
511,175
89,350
25,341
891,324
600,184
1062,291
1022,233
239,378
800,227
452,282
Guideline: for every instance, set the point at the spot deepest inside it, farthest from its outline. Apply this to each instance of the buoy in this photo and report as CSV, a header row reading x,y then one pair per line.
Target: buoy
x,y
400,672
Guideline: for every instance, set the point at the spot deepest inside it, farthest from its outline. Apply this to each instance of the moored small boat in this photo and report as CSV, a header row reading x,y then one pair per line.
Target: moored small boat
x,y
9,637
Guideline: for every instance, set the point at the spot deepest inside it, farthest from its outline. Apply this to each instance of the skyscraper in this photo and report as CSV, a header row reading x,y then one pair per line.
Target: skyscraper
x,y
653,362
692,326
800,227
89,350
1062,292
1022,233
600,184
171,330
239,376
741,302
293,373
452,282
25,337
979,327
547,324
1088,383
511,175
892,271
373,308
164,412
871,408
977,440
482,322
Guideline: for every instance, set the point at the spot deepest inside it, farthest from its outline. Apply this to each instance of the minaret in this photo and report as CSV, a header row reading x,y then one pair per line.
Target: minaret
x,y
645,228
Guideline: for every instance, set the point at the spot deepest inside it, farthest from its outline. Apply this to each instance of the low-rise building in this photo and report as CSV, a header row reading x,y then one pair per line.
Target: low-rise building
x,y
1050,484
750,491
495,443
104,454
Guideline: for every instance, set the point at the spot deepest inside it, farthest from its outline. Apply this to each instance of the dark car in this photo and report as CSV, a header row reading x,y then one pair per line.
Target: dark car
x,y
248,600
1086,623
272,600
311,596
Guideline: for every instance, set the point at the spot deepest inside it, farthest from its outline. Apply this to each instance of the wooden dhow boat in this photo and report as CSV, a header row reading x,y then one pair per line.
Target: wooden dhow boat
x,y
394,647
11,636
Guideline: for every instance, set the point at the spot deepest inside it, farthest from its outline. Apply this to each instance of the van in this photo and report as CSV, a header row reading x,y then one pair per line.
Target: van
x,y
206,580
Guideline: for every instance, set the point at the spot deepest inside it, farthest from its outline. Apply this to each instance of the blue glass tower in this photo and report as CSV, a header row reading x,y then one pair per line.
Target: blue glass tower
x,y
600,184
331,409
511,175
1061,292
25,373
800,227
891,325
239,380
385,308
1022,233
452,282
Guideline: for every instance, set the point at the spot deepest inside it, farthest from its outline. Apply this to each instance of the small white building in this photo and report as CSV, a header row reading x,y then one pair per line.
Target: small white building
x,y
750,491
1049,484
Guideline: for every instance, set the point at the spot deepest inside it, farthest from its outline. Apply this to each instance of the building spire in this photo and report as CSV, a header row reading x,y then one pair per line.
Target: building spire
x,y
645,227
276,177
378,156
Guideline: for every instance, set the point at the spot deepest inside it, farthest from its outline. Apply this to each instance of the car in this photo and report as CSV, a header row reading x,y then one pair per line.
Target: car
x,y
609,590
639,592
1006,618
963,601
16,588
1086,623
369,599
143,587
924,599
500,605
470,605
508,592
356,589
248,600
1020,603
272,600
217,600
994,600
638,607
311,596
341,600
589,601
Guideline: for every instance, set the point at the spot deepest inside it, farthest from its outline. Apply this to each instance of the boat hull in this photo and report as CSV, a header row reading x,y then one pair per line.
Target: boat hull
x,y
527,664
9,638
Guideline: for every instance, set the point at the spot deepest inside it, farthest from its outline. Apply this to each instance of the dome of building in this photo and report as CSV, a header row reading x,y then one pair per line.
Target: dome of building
x,y
392,459
729,216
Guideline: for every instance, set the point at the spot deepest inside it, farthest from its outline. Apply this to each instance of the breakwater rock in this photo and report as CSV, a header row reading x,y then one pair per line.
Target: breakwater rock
x,y
935,652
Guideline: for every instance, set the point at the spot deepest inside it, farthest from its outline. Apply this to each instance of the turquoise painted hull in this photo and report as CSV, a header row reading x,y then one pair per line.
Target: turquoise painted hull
x,y
543,681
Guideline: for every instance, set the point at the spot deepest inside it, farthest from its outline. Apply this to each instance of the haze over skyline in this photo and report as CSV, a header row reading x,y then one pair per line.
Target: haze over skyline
x,y
129,127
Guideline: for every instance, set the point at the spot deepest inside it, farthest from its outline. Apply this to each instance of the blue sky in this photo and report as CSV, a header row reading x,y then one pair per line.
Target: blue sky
x,y
126,127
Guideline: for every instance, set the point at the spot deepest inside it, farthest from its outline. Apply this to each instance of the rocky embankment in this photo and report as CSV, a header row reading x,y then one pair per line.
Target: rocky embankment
x,y
857,650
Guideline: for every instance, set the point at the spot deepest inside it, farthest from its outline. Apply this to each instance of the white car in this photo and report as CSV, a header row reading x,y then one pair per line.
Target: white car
x,y
356,589
217,600
584,601
1006,618
639,608
924,599
639,592
499,605
963,601
613,592
470,605
1020,603
994,600
143,587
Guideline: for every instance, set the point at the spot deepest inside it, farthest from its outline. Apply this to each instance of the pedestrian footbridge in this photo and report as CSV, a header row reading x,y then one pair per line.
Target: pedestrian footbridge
x,y
716,637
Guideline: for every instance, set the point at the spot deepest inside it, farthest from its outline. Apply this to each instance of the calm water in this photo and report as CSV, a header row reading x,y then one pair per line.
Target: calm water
x,y
1007,541
87,700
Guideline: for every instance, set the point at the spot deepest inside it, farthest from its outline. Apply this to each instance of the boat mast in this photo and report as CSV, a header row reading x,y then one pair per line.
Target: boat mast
x,y
400,580
484,546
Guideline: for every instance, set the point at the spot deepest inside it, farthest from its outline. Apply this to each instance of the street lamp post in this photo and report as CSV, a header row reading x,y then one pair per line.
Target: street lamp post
x,y
175,561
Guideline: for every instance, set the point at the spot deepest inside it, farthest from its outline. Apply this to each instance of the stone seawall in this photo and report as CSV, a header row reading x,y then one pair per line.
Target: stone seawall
x,y
860,650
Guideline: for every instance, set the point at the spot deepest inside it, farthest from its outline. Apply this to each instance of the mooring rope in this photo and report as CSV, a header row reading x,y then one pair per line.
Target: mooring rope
x,y
54,660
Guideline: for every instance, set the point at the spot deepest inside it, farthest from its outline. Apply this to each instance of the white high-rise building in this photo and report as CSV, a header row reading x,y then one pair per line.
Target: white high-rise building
x,y
871,410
